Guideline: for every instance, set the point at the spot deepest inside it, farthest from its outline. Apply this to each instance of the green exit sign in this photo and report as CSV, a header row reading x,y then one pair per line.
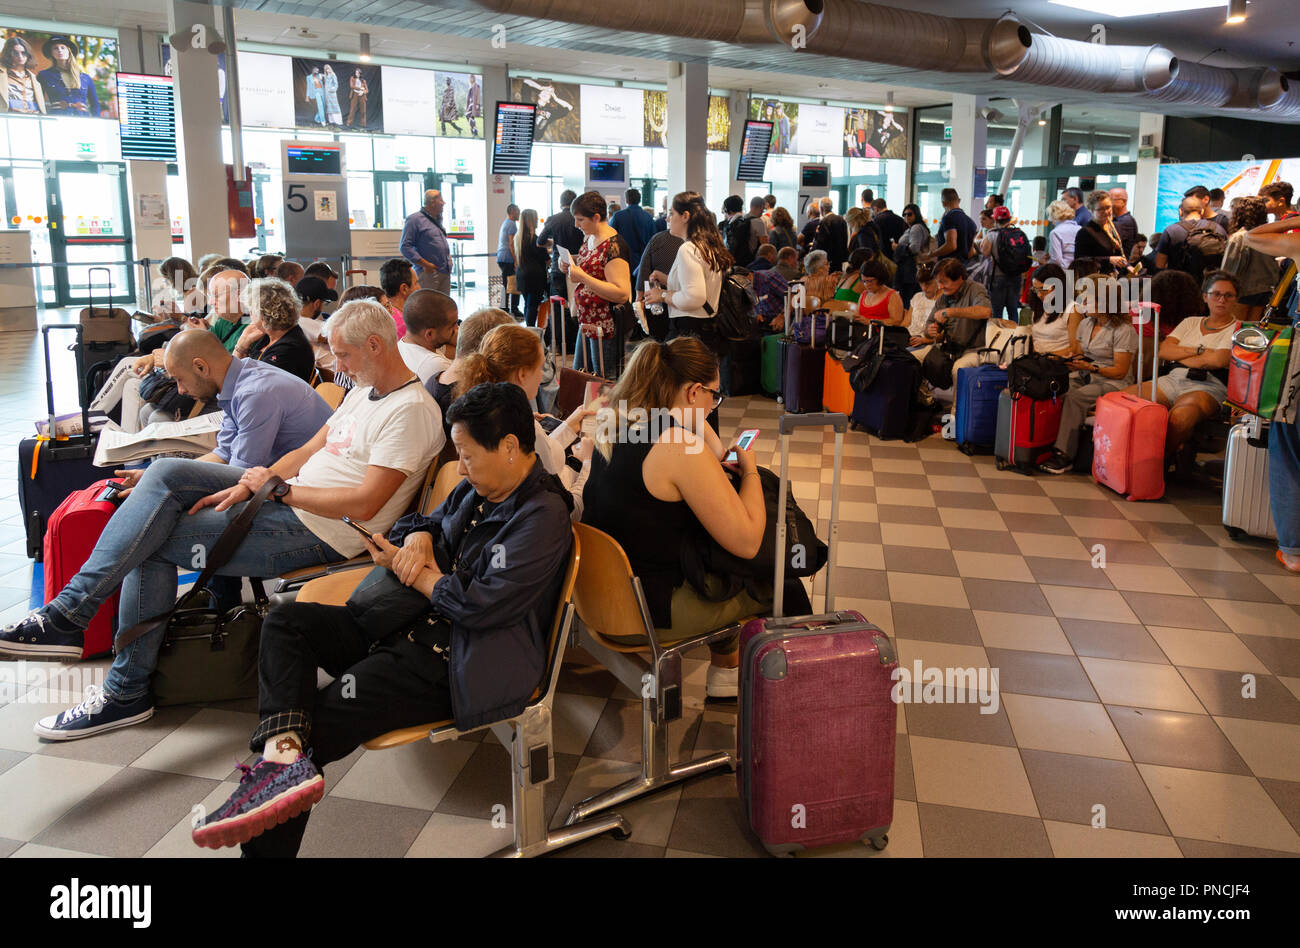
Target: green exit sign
x,y
85,148
460,162
401,160
947,133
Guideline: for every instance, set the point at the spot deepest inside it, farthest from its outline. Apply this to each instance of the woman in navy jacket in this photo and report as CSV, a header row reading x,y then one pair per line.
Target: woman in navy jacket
x,y
451,623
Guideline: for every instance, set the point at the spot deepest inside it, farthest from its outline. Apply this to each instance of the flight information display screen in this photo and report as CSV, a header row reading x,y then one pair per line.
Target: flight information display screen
x,y
146,108
301,159
512,151
753,150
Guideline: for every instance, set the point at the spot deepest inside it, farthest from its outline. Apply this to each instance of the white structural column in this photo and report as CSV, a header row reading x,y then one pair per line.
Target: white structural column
x,y
151,239
738,107
969,146
688,127
1142,203
496,88
198,123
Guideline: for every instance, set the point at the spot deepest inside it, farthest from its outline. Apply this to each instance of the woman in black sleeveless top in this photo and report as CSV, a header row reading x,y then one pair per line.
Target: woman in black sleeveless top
x,y
659,473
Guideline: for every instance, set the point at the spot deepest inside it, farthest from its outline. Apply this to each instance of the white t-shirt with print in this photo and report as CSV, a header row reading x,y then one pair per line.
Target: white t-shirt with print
x,y
922,307
402,430
1189,334
421,361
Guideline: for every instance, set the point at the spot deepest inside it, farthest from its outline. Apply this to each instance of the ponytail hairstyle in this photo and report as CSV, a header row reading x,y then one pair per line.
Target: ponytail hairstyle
x,y
655,373
702,231
504,351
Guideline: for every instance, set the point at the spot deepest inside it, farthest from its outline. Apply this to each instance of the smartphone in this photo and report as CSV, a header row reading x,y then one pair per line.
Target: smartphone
x,y
357,527
743,442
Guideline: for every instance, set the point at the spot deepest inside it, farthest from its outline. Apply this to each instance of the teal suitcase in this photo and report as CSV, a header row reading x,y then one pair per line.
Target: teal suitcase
x,y
770,373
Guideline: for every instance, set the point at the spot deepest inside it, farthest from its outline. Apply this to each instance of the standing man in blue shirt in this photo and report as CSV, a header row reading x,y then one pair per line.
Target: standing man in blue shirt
x,y
506,255
633,223
1074,198
424,243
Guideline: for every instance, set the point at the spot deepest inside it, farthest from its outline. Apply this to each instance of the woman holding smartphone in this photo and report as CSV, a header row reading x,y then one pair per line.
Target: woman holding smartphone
x,y
695,280
649,490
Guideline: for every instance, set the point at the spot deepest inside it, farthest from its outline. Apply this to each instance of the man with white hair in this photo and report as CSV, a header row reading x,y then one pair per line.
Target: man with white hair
x,y
424,243
366,462
832,236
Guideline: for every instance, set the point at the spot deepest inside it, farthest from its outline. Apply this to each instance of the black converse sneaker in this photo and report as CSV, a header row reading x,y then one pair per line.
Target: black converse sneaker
x,y
37,636
98,713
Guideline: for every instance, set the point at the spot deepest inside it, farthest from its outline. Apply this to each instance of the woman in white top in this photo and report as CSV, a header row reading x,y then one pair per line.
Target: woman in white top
x,y
695,280
922,305
1052,326
1064,231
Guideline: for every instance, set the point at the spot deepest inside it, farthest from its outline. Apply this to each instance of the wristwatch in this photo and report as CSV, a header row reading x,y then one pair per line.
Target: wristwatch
x,y
1200,349
279,491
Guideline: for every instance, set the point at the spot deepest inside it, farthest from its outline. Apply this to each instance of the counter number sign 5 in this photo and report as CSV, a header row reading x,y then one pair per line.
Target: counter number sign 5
x,y
295,199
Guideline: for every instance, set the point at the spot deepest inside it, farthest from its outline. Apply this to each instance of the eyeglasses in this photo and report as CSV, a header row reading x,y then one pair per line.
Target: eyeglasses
x,y
1216,295
718,397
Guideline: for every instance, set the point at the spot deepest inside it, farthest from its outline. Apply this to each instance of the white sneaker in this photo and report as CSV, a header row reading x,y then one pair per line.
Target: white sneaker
x,y
722,682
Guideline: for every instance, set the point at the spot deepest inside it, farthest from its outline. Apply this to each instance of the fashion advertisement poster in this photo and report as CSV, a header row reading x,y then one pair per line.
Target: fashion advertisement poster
x,y
559,108
57,74
458,102
341,96
656,121
874,133
784,117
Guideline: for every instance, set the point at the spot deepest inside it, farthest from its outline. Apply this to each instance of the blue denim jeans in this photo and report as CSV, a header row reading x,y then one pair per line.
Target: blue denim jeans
x,y
1004,294
587,356
1284,484
152,533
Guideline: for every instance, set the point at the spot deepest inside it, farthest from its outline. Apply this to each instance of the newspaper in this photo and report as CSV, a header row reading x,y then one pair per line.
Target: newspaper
x,y
192,437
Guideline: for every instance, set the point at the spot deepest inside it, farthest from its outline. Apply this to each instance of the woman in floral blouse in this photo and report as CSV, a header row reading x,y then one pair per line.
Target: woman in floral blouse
x,y
601,275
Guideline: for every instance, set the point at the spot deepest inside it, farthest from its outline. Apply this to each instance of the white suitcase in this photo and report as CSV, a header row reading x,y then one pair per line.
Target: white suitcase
x,y
1246,509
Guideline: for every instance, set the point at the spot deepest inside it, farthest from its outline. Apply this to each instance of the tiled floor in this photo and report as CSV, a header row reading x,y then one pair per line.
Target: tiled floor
x,y
1148,701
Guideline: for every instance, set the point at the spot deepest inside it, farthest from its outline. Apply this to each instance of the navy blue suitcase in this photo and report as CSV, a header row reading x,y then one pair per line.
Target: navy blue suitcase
x,y
885,409
977,405
803,373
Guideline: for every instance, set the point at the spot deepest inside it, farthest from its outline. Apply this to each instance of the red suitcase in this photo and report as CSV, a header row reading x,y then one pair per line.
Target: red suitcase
x,y
1128,435
71,536
816,729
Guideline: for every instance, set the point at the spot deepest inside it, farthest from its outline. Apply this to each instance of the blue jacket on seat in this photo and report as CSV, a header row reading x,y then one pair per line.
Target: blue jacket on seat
x,y
501,597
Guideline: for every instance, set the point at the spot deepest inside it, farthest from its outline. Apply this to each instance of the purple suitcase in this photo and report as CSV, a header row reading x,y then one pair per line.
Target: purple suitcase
x,y
816,733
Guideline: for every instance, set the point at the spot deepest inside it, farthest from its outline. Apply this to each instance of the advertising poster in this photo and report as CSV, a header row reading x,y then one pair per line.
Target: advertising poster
x,y
341,96
559,108
784,117
654,106
57,74
1236,178
266,90
821,131
407,96
611,115
459,101
719,123
874,133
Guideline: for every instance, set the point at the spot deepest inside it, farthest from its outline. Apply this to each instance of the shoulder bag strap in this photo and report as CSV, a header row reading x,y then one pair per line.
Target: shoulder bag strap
x,y
220,555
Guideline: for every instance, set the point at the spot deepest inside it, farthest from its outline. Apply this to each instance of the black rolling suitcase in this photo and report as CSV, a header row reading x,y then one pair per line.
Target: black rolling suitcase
x,y
50,470
803,375
742,367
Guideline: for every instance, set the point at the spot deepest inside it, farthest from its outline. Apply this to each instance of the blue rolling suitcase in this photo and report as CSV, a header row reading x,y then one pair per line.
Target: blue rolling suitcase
x,y
976,395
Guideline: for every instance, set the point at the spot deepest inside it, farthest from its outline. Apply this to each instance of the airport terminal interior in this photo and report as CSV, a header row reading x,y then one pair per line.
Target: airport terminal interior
x,y
1116,677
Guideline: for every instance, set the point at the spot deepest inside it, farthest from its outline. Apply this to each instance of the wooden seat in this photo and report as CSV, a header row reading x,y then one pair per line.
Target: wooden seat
x,y
333,394
608,599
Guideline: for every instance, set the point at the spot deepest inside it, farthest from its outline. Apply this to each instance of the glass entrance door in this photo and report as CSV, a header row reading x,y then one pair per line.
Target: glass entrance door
x,y
22,200
89,224
398,194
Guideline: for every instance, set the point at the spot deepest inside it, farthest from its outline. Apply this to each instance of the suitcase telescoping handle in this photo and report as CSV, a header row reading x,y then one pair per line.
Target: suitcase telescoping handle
x,y
1139,314
81,377
90,289
789,422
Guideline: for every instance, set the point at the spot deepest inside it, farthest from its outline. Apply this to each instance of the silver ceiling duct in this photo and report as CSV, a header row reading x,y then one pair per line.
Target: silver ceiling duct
x,y
998,48
749,21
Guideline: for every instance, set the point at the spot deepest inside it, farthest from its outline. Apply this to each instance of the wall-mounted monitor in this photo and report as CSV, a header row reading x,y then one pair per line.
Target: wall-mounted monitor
x,y
814,176
607,172
512,150
312,159
146,109
753,150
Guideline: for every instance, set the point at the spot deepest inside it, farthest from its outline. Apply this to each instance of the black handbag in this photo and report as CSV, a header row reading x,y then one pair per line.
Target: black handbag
x,y
718,575
1039,376
937,367
208,655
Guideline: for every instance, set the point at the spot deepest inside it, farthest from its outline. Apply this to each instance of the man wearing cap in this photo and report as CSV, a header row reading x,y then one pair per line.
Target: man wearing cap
x,y
1004,288
314,294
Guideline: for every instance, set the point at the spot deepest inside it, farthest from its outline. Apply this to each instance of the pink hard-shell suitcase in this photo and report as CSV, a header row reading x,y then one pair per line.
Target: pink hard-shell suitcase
x,y
1128,435
816,729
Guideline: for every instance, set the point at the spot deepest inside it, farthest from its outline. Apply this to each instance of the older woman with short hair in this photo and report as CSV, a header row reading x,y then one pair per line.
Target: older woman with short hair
x,y
1065,231
820,284
274,335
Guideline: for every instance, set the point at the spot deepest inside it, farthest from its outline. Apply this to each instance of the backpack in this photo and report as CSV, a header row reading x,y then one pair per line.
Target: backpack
x,y
738,234
1012,250
1201,251
735,318
770,288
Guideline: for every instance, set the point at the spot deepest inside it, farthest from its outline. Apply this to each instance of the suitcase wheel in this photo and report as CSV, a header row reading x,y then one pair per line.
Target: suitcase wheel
x,y
780,400
879,842
1236,533
1000,464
